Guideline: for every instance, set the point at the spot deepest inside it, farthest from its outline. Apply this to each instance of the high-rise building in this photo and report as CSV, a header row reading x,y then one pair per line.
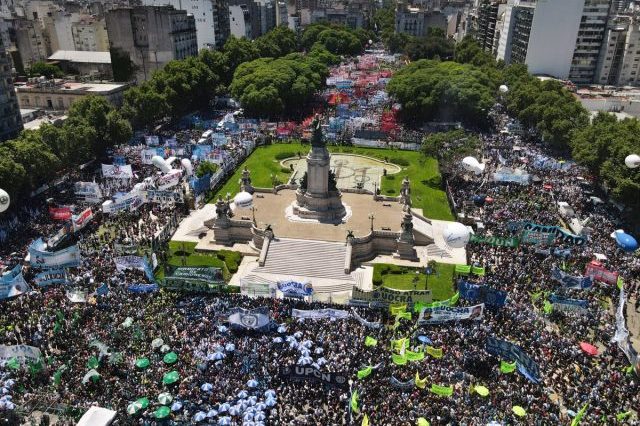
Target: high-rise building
x,y
561,39
619,63
487,17
10,118
148,37
253,18
90,34
212,19
416,19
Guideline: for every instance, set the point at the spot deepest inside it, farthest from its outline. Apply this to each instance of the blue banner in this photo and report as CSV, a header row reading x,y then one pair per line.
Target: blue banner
x,y
134,262
564,236
40,258
571,281
554,298
103,290
51,276
143,288
508,351
200,185
482,294
13,283
295,288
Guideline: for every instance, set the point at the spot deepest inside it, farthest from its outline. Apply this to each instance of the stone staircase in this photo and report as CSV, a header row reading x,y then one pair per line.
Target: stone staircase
x,y
435,251
306,258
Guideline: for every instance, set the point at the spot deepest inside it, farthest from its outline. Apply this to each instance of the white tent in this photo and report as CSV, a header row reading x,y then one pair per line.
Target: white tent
x,y
97,416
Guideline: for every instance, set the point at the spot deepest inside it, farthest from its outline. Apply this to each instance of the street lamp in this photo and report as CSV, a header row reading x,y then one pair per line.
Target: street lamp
x,y
371,218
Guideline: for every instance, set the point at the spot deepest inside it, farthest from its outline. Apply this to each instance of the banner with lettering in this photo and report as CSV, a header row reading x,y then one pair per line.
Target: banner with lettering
x,y
319,314
444,314
88,191
51,276
556,233
482,293
250,319
306,373
562,303
81,220
295,288
507,350
60,213
369,324
143,288
164,198
13,283
571,281
495,241
39,257
115,171
404,386
597,272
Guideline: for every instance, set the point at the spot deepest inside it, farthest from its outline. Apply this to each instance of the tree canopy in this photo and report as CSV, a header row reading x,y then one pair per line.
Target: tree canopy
x,y
434,46
339,40
449,91
43,69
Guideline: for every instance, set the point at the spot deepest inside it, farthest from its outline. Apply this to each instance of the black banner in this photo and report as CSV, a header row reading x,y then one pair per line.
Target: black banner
x,y
306,373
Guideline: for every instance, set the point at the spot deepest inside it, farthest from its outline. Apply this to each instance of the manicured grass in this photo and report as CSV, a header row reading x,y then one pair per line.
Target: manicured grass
x,y
426,192
440,283
191,258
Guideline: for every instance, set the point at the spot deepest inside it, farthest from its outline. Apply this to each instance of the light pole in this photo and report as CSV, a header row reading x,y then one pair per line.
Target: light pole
x,y
371,218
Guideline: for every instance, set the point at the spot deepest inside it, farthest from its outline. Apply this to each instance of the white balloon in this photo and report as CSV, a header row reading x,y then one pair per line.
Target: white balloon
x,y
503,89
243,200
188,167
632,161
471,164
5,200
456,235
159,162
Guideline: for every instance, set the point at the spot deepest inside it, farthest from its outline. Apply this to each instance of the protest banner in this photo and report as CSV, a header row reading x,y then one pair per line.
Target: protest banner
x,y
434,352
89,192
495,241
257,319
383,296
81,220
482,293
169,180
555,233
562,303
164,198
39,257
51,276
22,353
123,249
441,390
443,314
295,289
418,307
507,350
403,386
115,171
368,324
597,272
319,314
143,288
571,281
60,213
194,279
13,283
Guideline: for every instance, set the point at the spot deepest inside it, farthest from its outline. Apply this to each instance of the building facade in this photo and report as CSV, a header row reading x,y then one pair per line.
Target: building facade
x,y
90,35
589,42
10,118
415,20
211,17
58,95
487,17
150,37
620,56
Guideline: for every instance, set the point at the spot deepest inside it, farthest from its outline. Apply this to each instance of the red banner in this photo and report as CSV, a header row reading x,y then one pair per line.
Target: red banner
x,y
82,219
60,213
598,272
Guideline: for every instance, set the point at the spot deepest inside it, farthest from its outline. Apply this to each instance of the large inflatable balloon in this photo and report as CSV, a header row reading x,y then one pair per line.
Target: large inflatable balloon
x,y
159,162
456,235
471,164
243,200
625,241
632,161
4,200
503,89
188,167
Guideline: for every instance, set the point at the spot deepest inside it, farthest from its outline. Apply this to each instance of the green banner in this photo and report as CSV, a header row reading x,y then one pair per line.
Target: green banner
x,y
548,307
385,296
495,241
399,359
463,269
403,315
370,341
417,307
365,372
507,368
442,390
414,356
578,417
354,402
434,352
478,270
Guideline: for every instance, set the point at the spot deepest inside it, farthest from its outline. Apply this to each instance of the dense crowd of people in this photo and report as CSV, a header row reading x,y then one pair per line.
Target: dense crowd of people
x,y
112,349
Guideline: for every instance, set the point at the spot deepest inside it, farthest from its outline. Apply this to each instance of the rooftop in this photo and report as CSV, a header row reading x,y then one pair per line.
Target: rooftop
x,y
81,57
69,86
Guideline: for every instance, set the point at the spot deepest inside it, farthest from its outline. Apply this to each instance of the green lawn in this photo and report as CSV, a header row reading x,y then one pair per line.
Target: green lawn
x,y
192,258
440,283
426,192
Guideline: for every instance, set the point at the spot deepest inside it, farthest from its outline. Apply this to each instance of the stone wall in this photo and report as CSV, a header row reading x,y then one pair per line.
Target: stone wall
x,y
368,247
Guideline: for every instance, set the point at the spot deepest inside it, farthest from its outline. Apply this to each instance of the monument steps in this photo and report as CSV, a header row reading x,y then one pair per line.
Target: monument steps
x,y
435,251
306,258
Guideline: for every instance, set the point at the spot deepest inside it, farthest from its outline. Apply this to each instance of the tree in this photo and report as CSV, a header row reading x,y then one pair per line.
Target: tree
x,y
144,106
206,167
337,39
238,51
468,51
122,65
278,42
43,69
434,45
13,176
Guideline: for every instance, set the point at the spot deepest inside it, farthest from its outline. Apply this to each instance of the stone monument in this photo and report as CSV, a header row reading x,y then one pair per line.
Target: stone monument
x,y
406,241
318,197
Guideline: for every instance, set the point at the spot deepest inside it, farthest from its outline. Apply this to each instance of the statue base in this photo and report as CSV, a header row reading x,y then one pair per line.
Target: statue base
x,y
325,209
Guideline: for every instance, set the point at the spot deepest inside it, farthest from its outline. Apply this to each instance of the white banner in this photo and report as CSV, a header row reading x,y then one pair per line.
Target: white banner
x,y
81,220
129,262
22,353
319,314
125,203
39,257
115,171
445,313
363,321
88,191
170,179
164,197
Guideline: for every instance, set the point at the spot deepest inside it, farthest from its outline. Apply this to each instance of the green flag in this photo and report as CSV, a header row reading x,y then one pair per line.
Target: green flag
x,y
434,352
478,270
442,390
535,296
399,359
400,344
365,372
454,299
414,356
548,307
620,282
13,364
506,367
397,308
622,416
403,315
35,367
578,417
370,341
92,362
354,401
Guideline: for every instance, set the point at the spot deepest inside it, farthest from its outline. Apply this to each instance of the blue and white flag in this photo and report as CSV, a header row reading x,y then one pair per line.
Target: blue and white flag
x,y
13,283
509,351
39,257
51,276
571,281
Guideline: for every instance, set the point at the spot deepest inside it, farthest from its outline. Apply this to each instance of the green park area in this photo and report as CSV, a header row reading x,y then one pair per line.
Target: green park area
x,y
184,254
426,187
440,282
